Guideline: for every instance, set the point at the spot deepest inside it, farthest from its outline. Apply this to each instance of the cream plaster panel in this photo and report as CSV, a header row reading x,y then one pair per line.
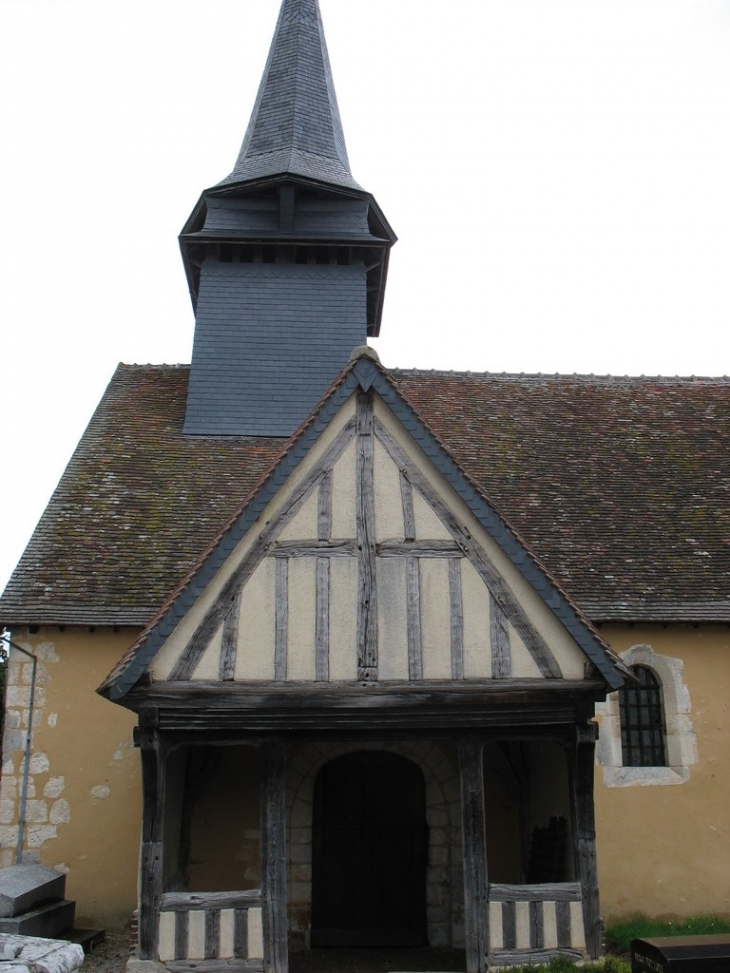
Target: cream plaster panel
x,y
540,615
166,945
435,618
522,925
388,503
301,625
392,627
523,665
344,494
496,936
577,931
196,934
475,601
303,526
549,925
343,618
429,526
255,934
208,668
256,625
187,626
226,947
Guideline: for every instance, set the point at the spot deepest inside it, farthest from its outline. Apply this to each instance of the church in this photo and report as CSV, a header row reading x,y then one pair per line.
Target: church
x,y
323,654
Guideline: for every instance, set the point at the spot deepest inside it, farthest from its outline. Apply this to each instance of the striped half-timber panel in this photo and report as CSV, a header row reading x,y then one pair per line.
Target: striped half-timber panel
x,y
533,922
200,926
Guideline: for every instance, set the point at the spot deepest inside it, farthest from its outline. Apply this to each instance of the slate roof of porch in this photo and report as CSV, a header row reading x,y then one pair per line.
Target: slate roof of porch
x,y
619,485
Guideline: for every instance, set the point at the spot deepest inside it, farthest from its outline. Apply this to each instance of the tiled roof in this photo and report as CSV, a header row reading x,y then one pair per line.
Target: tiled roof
x,y
295,126
620,486
134,508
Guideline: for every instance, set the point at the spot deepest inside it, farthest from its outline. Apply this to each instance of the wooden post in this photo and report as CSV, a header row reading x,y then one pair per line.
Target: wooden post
x,y
584,825
153,813
273,858
474,843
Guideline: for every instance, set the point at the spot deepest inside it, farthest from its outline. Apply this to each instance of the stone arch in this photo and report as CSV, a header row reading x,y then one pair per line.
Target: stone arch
x,y
444,881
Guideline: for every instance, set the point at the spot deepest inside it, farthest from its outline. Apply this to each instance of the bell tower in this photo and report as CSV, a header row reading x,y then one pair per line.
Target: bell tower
x,y
287,257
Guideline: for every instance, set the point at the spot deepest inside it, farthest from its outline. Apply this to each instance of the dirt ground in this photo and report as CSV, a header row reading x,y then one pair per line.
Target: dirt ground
x,y
111,957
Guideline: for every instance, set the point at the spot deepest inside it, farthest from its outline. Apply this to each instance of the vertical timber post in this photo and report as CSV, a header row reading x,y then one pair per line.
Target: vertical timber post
x,y
273,858
147,737
585,832
474,840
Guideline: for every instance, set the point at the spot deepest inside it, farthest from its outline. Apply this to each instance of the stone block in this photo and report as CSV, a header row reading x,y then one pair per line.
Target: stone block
x,y
47,921
22,887
25,954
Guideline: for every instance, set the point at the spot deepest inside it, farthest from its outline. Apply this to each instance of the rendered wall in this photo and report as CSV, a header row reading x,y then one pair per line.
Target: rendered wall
x,y
664,847
84,796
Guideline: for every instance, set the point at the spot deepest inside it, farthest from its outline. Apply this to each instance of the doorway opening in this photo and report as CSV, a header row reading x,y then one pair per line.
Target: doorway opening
x,y
369,854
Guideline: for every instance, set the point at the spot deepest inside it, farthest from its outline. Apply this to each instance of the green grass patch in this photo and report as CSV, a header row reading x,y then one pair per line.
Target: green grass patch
x,y
620,934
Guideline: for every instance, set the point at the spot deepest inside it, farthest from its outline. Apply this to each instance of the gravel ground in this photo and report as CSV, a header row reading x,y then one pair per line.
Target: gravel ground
x,y
111,957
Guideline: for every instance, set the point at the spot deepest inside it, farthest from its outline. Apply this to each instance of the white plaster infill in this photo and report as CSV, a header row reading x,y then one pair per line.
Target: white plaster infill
x,y
28,954
681,742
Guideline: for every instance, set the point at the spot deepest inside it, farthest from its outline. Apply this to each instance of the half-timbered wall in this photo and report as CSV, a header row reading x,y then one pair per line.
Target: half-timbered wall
x,y
367,567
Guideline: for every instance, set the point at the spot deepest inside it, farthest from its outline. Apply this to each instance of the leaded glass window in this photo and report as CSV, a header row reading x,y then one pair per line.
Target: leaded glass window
x,y
642,721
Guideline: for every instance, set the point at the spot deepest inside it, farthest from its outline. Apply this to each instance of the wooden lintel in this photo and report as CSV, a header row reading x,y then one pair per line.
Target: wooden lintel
x,y
419,549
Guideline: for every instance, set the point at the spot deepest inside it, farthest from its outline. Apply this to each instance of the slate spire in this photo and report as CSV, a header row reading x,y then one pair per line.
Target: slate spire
x,y
287,257
295,125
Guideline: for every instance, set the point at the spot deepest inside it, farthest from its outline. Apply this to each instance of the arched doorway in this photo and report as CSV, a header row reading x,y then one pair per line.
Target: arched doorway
x,y
370,848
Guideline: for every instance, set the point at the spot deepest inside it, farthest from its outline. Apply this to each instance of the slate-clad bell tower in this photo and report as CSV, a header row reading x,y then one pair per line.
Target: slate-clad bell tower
x,y
287,257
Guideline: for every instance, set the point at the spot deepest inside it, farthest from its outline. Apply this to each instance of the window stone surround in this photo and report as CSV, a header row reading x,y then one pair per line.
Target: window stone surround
x,y
681,742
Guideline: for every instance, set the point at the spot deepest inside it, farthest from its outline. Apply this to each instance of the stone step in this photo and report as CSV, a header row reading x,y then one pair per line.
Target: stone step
x,y
47,921
25,887
86,938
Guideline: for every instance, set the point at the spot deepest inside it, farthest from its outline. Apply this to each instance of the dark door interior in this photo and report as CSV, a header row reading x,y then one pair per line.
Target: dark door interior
x,y
370,847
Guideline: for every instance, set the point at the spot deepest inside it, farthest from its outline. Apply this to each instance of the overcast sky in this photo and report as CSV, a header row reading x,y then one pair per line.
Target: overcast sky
x,y
557,172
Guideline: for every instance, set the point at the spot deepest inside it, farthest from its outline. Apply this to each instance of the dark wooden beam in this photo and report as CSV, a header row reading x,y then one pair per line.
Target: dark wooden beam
x,y
367,610
152,755
584,830
474,843
274,858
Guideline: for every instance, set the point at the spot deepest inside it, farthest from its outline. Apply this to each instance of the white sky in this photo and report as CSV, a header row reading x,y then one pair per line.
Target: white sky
x,y
558,172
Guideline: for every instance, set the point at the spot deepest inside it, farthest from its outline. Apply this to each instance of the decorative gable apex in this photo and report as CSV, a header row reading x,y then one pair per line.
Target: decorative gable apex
x,y
360,560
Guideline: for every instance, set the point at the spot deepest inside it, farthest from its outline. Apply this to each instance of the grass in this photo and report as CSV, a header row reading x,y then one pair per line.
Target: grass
x,y
620,934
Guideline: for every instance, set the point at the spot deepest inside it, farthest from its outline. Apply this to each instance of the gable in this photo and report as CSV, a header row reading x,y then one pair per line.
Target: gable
x,y
367,566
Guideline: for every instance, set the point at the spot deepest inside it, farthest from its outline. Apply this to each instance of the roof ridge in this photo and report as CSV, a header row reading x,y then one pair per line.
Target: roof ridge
x,y
576,377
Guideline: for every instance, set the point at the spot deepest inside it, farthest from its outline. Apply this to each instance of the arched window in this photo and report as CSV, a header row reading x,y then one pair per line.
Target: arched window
x,y
643,731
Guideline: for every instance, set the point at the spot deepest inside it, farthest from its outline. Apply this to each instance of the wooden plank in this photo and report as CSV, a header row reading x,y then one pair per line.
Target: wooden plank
x,y
474,844
322,621
537,933
456,619
509,925
419,549
336,548
562,917
409,520
240,933
534,642
367,632
324,507
215,966
199,901
521,957
555,892
191,654
281,609
584,830
413,620
274,858
181,935
152,756
499,640
229,649
212,933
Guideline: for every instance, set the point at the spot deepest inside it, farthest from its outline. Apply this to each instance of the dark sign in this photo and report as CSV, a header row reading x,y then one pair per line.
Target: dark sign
x,y
681,954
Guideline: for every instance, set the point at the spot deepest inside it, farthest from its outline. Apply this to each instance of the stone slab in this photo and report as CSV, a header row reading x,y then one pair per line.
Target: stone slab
x,y
29,954
22,887
46,922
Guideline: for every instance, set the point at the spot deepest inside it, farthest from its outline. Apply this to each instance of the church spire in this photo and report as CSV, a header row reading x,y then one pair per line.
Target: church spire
x,y
287,257
295,126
